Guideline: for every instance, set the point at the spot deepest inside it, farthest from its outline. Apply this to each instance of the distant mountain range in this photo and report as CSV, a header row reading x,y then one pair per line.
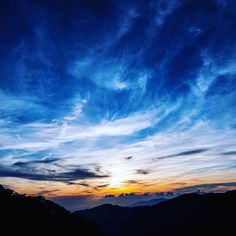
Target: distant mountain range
x,y
148,202
189,214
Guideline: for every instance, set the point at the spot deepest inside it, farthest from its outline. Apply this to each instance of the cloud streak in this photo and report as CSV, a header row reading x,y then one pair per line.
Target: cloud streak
x,y
51,176
186,153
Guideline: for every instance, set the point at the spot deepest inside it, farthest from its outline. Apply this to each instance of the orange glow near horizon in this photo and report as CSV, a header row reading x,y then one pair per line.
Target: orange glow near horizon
x,y
56,189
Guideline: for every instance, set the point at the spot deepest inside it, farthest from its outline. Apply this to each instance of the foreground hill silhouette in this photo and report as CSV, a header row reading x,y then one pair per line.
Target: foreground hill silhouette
x,y
36,216
190,214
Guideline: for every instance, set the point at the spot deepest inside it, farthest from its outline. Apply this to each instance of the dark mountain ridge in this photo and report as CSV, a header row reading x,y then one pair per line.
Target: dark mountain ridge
x,y
28,215
189,214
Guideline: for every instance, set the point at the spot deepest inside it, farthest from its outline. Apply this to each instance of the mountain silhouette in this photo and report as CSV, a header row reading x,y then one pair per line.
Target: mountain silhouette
x,y
189,214
28,215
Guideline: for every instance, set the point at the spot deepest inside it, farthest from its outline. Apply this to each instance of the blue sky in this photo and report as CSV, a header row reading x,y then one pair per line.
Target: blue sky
x,y
100,97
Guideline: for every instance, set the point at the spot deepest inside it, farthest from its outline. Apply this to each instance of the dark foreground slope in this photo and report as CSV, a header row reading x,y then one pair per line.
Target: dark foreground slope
x,y
36,216
190,214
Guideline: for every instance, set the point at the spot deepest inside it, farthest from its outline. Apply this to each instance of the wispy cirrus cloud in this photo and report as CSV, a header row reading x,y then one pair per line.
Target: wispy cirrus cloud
x,y
31,135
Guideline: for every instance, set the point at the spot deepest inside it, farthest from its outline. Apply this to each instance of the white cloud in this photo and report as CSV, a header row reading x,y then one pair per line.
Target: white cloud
x,y
120,127
38,136
119,85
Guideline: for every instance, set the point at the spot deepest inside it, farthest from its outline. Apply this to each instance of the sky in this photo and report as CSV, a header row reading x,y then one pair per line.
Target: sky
x,y
108,99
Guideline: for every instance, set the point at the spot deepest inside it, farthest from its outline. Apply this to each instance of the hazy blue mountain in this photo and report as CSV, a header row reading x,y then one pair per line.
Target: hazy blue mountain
x,y
148,203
